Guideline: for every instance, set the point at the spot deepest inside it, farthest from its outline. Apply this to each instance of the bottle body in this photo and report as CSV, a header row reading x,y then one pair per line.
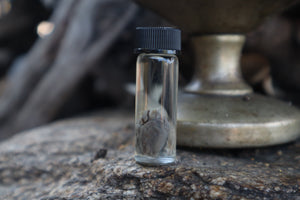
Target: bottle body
x,y
156,105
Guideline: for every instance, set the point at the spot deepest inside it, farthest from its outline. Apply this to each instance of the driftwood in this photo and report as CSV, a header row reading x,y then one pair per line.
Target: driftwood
x,y
93,158
17,29
84,32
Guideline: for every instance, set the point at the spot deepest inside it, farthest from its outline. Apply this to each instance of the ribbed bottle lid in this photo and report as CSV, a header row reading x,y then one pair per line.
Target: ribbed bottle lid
x,y
157,38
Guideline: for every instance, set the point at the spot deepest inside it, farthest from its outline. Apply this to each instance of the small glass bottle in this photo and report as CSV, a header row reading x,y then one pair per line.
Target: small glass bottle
x,y
156,94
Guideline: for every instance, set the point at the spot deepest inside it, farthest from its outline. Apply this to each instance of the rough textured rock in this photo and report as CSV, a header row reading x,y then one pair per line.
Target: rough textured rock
x,y
92,158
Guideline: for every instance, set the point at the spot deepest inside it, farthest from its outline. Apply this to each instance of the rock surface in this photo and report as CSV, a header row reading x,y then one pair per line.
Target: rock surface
x,y
92,158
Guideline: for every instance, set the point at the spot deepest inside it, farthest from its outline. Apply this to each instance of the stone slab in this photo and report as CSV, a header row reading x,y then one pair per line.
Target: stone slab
x,y
60,161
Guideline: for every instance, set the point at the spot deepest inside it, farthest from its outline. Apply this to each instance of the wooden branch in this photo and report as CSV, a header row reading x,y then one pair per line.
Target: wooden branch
x,y
37,62
77,55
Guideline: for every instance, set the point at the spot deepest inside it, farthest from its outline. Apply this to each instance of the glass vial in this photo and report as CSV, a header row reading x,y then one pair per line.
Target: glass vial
x,y
156,94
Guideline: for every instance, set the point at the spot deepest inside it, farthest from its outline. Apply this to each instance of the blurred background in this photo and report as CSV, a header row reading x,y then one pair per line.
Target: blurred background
x,y
60,59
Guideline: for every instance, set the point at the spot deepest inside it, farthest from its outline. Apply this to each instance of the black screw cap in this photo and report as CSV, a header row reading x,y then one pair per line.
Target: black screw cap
x,y
157,38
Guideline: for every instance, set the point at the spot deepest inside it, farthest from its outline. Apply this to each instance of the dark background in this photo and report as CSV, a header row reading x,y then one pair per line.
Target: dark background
x,y
86,63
